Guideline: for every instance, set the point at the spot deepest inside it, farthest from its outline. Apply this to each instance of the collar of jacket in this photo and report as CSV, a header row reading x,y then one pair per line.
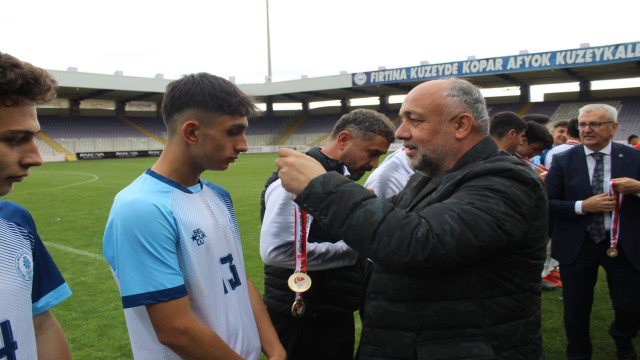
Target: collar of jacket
x,y
483,150
327,162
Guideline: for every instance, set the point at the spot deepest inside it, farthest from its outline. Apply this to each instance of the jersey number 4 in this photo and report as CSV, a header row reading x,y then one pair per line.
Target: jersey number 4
x,y
234,281
9,346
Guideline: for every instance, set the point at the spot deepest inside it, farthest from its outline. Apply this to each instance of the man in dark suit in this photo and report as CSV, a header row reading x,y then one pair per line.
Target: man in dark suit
x,y
578,186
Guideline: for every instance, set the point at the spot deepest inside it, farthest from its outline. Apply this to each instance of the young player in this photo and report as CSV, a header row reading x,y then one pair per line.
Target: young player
x,y
172,239
30,283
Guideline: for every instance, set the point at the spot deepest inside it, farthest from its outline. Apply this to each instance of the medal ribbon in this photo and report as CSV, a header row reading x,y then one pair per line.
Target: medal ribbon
x,y
531,163
615,215
301,230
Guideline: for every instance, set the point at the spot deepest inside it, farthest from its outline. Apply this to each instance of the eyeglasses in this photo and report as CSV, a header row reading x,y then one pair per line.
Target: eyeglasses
x,y
594,125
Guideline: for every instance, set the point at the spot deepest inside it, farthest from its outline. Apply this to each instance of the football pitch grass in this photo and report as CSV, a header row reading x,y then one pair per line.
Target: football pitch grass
x,y
70,203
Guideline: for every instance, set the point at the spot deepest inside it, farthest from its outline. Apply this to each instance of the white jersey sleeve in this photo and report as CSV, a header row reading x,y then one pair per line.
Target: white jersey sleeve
x,y
391,176
140,244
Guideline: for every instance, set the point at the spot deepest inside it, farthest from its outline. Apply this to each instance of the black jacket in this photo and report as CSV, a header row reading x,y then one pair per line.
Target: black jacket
x,y
457,258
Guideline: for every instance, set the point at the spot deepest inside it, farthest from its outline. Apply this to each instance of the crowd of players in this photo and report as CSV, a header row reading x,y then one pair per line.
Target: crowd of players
x,y
441,251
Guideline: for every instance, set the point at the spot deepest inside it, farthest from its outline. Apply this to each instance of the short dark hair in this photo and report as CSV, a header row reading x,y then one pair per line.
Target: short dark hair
x,y
631,137
572,128
364,124
24,84
537,118
560,123
537,133
502,122
206,93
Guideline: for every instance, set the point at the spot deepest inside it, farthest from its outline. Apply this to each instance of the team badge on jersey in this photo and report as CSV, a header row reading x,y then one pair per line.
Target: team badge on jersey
x,y
198,236
24,265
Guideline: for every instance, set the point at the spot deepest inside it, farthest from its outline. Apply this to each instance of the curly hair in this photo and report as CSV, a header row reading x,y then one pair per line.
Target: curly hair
x,y
24,84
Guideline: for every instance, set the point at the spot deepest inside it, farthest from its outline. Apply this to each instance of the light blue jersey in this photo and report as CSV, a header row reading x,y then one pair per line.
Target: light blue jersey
x,y
30,282
164,241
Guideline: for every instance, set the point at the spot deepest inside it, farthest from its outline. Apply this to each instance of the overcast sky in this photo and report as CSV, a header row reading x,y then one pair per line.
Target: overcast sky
x,y
313,38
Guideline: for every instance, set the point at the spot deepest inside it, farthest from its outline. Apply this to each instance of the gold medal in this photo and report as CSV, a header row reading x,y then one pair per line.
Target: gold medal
x,y
299,282
612,252
298,308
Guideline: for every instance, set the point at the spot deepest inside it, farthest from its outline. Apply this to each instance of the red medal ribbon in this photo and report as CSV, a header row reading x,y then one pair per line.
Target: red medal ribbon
x,y
542,168
301,230
615,215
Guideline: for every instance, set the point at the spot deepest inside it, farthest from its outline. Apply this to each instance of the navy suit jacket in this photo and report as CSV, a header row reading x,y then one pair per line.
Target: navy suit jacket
x,y
568,182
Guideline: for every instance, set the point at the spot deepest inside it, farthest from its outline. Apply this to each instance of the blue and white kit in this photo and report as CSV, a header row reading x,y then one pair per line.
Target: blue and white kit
x,y
30,282
164,241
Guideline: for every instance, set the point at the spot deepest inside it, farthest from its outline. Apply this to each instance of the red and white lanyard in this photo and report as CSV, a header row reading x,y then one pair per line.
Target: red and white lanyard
x,y
531,163
299,281
615,220
301,229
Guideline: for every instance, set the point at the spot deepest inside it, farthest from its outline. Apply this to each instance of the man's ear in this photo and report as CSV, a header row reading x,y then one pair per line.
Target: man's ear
x,y
462,125
190,130
345,138
512,133
524,140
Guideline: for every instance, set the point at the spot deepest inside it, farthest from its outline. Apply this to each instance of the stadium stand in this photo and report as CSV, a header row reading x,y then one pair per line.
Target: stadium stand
x,y
77,134
265,130
311,130
567,111
496,108
90,134
629,118
45,149
544,108
153,125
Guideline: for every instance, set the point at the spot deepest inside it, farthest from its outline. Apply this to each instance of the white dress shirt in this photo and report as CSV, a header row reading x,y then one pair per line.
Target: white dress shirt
x,y
606,178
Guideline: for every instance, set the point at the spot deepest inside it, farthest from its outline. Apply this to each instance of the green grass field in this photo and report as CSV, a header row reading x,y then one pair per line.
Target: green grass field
x,y
70,203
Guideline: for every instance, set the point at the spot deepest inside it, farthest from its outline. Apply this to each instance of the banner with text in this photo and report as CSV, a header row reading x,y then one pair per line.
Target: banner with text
x,y
505,64
117,154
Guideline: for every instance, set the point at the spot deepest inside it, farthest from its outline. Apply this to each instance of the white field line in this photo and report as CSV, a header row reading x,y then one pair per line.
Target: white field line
x,y
74,251
93,178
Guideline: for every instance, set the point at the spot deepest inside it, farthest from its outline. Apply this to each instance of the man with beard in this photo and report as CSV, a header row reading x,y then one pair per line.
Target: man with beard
x,y
457,254
324,329
391,176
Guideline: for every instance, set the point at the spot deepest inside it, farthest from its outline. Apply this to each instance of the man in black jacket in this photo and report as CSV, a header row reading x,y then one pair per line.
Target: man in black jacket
x,y
457,254
326,329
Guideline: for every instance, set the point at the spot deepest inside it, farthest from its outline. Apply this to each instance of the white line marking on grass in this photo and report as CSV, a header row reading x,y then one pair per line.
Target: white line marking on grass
x,y
94,178
75,251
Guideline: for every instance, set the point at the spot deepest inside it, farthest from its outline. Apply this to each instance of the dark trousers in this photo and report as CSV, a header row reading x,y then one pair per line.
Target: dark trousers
x,y
579,279
320,338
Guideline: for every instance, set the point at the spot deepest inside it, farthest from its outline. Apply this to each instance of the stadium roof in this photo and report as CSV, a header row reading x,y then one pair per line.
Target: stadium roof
x,y
584,65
